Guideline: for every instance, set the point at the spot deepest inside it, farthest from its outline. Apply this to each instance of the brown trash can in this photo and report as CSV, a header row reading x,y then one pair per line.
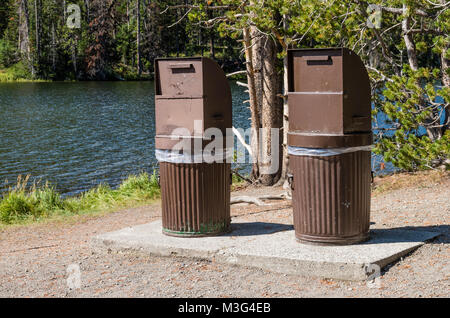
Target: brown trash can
x,y
195,198
329,143
192,94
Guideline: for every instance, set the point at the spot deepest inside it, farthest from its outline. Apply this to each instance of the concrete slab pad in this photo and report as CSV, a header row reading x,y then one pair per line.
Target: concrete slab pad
x,y
272,247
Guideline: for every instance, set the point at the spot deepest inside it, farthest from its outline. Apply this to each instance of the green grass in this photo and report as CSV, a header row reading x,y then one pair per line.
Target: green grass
x,y
17,73
27,204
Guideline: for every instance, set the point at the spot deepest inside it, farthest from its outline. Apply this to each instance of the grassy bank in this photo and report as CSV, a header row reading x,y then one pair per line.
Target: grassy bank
x,y
33,203
17,73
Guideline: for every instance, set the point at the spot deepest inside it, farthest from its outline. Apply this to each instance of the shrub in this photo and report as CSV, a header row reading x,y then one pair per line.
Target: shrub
x,y
17,206
417,136
17,72
22,202
141,182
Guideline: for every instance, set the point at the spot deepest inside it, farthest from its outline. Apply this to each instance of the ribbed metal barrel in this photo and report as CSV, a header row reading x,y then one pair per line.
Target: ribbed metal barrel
x,y
331,197
195,198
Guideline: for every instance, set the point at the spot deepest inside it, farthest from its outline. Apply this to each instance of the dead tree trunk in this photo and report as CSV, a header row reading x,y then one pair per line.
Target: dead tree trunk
x,y
75,55
285,119
257,59
212,51
265,105
409,42
88,13
53,48
271,115
24,35
37,10
254,109
445,65
138,40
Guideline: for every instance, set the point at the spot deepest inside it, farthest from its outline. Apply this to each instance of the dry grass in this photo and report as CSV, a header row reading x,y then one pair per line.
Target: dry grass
x,y
422,179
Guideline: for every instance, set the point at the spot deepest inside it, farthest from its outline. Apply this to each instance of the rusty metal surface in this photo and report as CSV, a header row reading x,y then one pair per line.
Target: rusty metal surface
x,y
195,199
329,92
331,198
186,90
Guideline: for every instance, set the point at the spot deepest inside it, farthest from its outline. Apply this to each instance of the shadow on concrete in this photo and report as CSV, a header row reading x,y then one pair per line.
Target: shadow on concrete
x,y
377,236
443,230
257,228
409,234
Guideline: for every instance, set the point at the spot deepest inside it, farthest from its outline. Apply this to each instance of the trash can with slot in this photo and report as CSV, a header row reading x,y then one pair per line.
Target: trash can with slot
x,y
329,143
192,95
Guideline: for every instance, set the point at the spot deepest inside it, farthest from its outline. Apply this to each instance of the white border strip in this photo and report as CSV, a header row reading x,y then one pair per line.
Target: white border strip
x,y
321,152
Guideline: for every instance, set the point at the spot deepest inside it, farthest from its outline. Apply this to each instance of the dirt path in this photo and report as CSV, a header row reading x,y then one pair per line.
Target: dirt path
x,y
34,259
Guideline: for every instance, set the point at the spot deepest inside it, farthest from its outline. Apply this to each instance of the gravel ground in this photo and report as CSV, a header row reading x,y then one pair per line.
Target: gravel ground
x,y
34,259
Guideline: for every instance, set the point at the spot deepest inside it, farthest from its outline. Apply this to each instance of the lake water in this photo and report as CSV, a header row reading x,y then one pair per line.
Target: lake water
x,y
77,135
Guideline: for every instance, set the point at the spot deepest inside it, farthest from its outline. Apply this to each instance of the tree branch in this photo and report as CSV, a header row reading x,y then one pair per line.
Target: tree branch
x,y
400,11
236,73
190,6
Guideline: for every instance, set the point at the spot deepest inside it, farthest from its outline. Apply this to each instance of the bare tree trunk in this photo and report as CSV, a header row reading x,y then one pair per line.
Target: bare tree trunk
x,y
138,40
128,15
75,56
256,42
255,116
19,40
271,115
20,44
200,41
88,13
409,42
285,122
212,51
445,65
285,89
53,48
24,29
38,28
257,59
